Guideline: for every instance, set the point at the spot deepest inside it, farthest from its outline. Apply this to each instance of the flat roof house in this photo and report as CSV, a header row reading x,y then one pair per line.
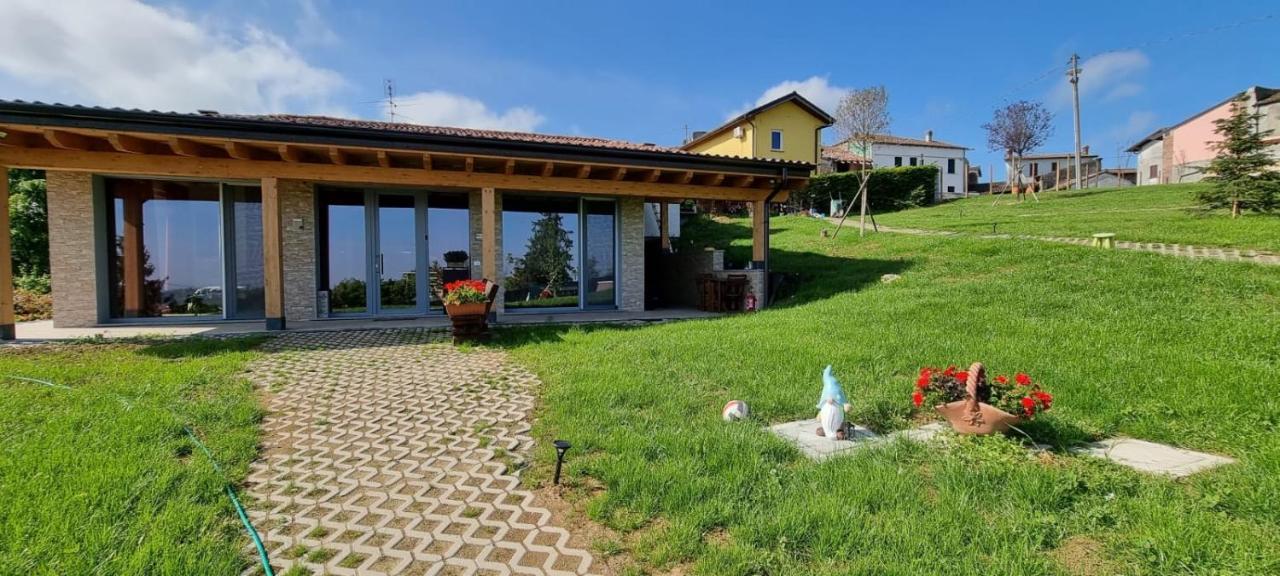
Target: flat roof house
x,y
167,217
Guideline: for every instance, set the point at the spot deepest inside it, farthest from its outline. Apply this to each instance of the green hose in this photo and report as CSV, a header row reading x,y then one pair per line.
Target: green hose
x,y
231,491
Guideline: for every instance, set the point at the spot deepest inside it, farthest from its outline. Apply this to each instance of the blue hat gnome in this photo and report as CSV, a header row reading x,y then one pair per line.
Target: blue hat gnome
x,y
831,407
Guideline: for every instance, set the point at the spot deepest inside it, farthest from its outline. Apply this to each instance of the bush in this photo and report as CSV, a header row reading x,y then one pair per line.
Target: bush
x,y
37,283
29,305
890,188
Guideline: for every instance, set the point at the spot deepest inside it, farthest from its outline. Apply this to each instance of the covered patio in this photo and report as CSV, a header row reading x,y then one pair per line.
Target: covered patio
x,y
175,222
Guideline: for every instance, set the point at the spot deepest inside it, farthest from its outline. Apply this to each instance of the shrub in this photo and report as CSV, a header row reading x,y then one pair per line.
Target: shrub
x,y
889,188
37,283
31,305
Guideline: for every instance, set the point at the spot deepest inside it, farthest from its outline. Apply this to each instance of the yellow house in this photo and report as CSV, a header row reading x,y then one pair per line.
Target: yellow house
x,y
788,128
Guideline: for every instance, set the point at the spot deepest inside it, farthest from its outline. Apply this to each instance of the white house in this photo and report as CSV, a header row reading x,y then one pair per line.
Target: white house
x,y
888,151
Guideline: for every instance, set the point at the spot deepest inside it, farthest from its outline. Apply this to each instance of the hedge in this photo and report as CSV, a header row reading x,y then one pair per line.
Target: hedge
x,y
890,188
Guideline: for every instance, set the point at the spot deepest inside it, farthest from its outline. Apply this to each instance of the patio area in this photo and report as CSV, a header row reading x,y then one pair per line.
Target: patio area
x,y
44,331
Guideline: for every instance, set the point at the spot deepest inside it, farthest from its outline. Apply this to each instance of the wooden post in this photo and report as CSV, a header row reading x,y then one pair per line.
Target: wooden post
x,y
272,257
6,261
664,227
132,252
488,234
759,232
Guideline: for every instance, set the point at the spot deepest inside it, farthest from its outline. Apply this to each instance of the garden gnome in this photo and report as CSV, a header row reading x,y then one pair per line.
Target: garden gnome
x,y
831,407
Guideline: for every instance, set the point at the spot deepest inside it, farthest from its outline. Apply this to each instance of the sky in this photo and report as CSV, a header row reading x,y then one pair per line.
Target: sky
x,y
647,71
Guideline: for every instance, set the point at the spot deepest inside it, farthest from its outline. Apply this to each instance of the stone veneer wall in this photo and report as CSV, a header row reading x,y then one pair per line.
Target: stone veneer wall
x,y
684,269
73,275
631,265
477,243
298,235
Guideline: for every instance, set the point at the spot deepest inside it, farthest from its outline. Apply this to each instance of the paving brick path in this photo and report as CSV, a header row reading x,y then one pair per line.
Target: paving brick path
x,y
393,452
1181,250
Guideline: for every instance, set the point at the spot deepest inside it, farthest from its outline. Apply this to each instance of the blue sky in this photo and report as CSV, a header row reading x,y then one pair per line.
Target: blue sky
x,y
645,70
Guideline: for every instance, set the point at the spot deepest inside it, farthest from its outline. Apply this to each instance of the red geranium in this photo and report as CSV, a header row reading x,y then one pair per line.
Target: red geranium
x,y
935,387
1028,405
1023,379
465,292
1002,379
962,376
917,399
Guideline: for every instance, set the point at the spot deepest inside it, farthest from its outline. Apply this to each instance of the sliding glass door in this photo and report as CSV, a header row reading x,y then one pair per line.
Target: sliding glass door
x,y
183,250
377,246
559,252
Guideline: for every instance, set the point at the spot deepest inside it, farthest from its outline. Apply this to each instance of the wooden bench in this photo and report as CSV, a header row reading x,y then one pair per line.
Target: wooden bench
x,y
1104,240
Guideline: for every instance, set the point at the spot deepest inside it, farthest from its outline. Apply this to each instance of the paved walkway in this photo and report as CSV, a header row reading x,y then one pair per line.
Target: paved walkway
x,y
1181,250
392,452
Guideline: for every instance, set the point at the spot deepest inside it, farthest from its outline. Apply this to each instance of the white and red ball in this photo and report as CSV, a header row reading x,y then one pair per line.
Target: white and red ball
x,y
735,410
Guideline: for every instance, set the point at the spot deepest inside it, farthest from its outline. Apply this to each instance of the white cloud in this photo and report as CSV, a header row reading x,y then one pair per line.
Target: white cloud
x,y
440,108
312,28
1111,76
126,53
816,89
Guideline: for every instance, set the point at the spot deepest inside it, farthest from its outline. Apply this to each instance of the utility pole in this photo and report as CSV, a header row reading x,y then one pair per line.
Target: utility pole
x,y
1074,74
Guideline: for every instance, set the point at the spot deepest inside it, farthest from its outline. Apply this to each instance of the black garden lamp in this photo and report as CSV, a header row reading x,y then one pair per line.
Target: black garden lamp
x,y
562,446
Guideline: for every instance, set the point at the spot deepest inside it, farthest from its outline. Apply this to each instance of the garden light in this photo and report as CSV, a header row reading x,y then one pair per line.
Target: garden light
x,y
562,446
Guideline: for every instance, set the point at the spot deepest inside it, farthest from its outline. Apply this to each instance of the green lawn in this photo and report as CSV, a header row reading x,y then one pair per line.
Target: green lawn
x,y
1135,344
1145,214
102,479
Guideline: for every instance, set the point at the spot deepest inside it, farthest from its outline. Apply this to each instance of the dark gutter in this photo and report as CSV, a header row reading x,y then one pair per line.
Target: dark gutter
x,y
305,134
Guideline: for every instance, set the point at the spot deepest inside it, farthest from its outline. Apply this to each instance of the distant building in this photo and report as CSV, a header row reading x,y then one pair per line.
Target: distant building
x,y
1111,178
1052,169
1180,153
787,128
889,151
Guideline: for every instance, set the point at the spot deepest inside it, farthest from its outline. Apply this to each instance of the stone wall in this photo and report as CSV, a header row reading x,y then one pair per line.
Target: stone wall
x,y
71,249
298,235
631,265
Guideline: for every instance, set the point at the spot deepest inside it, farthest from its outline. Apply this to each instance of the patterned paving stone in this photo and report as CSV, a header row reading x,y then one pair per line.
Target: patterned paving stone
x,y
394,452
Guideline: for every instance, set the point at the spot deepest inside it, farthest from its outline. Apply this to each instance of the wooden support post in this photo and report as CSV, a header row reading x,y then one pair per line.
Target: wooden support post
x,y
133,255
664,227
272,253
6,261
759,231
488,234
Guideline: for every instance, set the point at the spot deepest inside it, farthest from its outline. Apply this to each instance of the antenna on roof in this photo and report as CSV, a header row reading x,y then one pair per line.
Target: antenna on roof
x,y
391,98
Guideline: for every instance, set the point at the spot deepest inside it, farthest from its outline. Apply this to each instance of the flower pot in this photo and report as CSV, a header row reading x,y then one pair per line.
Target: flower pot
x,y
468,309
972,417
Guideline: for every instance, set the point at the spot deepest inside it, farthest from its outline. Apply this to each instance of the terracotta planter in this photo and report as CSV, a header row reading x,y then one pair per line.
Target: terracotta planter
x,y
469,309
969,416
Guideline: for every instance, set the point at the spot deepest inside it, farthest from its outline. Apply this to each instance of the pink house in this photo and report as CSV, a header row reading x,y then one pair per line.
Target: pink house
x,y
1179,153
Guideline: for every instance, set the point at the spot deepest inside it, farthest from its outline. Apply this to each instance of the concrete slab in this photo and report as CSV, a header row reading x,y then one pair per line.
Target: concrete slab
x,y
1153,458
803,433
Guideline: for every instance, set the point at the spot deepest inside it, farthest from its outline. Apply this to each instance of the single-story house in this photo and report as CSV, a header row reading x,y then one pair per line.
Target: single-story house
x,y
889,151
1051,169
170,217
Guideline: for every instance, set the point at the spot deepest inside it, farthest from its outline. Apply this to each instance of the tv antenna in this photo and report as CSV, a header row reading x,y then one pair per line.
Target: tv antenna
x,y
391,98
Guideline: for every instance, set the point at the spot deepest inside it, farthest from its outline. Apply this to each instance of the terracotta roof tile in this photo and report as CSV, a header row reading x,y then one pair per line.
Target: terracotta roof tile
x,y
841,154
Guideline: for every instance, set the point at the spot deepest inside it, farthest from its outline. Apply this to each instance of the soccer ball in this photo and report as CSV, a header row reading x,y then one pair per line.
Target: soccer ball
x,y
734,410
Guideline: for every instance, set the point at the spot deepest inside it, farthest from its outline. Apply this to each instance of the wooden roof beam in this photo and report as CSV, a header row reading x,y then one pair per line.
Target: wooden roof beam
x,y
653,176
470,164
745,181
716,180
548,169
289,153
510,168
338,157
239,151
687,178
14,139
584,171
620,173
184,147
66,140
426,161
130,144
384,160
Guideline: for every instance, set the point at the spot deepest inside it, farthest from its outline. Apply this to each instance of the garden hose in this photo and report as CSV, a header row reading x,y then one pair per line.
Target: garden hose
x,y
231,491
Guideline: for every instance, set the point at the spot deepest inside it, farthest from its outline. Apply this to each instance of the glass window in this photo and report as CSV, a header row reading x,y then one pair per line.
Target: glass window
x,y
897,160
951,165
344,265
448,240
247,275
913,160
166,259
397,258
540,251
775,140
601,244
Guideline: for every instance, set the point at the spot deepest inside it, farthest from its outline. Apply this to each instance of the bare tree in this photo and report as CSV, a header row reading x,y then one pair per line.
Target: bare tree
x,y
1017,129
863,114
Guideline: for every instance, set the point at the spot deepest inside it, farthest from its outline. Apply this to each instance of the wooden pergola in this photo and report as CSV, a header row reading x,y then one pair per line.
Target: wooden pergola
x,y
201,146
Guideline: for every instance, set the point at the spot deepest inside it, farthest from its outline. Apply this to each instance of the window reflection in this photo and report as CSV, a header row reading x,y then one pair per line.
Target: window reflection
x,y
448,240
343,236
539,236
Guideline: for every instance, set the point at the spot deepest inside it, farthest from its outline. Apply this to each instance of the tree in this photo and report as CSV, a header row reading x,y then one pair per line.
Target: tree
x,y
547,257
1241,175
29,223
1017,129
862,115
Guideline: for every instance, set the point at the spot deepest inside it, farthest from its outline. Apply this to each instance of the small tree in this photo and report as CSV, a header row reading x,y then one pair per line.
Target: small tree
x,y
1241,175
548,257
1017,129
863,114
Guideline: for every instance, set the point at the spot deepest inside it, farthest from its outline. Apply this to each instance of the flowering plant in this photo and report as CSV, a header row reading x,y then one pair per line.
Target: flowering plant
x,y
1020,396
465,292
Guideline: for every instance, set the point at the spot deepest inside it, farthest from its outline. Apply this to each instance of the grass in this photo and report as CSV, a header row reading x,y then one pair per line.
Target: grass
x,y
1166,213
102,479
1135,344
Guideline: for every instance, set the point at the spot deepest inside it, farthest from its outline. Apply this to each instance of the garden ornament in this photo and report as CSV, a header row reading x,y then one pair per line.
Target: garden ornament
x,y
831,406
735,410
